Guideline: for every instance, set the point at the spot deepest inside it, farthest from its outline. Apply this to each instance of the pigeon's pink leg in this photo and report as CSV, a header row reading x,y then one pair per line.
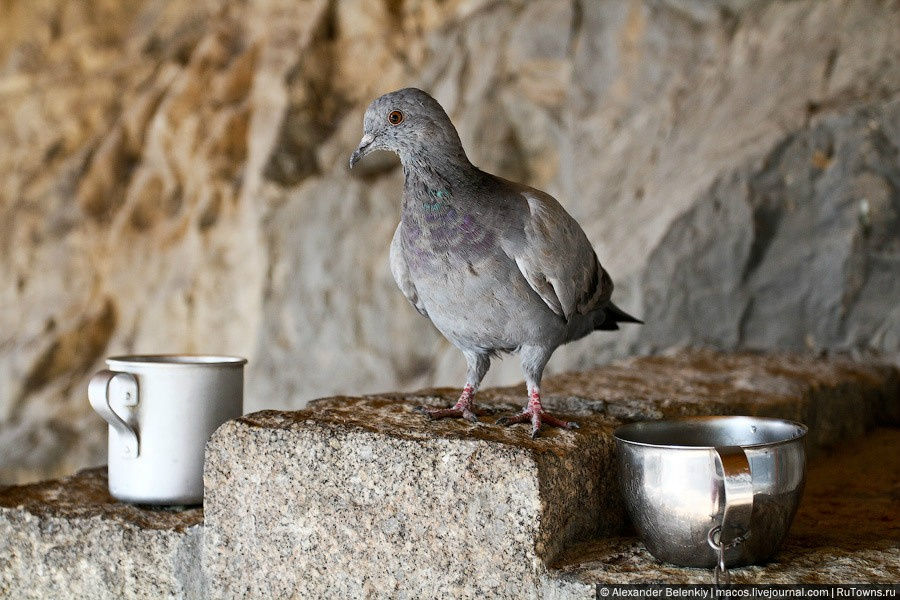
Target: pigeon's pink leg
x,y
463,409
534,413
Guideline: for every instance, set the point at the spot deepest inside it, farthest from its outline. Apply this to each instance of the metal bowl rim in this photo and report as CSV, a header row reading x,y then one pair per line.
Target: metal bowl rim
x,y
707,419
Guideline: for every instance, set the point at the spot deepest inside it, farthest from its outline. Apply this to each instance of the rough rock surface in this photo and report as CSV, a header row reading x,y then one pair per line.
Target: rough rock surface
x,y
798,250
355,497
368,500
362,497
173,178
70,539
836,397
847,530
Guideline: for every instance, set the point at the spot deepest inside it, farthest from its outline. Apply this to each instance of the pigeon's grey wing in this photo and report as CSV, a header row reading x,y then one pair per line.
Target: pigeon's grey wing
x,y
557,259
400,271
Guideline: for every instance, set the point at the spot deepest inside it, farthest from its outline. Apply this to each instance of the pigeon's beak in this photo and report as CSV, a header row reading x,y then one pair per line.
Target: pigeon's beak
x,y
365,146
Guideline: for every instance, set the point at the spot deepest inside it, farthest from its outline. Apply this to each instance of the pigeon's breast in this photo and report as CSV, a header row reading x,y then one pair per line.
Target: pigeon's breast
x,y
473,292
445,238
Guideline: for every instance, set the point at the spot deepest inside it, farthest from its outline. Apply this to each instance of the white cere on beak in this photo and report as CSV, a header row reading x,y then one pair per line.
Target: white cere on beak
x,y
361,149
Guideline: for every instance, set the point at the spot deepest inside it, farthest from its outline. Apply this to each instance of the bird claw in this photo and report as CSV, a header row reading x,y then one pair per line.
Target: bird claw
x,y
513,419
537,420
445,413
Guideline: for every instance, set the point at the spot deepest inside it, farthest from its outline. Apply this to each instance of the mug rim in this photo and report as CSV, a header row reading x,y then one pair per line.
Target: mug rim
x,y
628,427
176,360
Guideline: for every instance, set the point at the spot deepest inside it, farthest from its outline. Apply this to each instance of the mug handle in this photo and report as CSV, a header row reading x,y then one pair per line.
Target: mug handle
x,y
98,394
738,498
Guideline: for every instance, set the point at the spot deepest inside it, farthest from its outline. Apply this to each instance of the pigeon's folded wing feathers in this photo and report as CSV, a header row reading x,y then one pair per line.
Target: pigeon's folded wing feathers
x,y
558,261
400,271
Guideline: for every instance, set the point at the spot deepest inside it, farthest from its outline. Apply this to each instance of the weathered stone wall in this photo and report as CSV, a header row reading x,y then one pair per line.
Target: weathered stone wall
x,y
173,178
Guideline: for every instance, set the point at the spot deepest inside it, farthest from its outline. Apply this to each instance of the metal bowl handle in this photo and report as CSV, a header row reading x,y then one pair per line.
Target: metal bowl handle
x,y
738,501
738,498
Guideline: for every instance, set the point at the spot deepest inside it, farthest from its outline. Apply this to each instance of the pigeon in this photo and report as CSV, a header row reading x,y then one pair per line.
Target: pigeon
x,y
496,266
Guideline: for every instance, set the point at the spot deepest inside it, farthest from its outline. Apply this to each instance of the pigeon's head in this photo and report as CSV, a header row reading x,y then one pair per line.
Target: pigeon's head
x,y
411,124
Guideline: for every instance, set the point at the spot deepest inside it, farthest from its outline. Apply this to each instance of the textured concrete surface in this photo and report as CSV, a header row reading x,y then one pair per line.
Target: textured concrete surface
x,y
847,530
70,539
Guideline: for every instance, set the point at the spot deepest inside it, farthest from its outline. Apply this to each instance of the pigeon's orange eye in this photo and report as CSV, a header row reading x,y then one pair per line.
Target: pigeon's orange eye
x,y
395,118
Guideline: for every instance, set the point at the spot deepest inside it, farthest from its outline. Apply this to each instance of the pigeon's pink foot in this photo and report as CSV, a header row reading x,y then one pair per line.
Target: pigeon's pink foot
x,y
463,409
534,413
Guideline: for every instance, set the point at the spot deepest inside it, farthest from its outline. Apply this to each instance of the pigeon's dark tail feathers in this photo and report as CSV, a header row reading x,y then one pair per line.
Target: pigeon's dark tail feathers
x,y
612,316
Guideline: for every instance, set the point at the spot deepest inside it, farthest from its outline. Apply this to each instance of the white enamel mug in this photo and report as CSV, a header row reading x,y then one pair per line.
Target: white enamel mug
x,y
161,411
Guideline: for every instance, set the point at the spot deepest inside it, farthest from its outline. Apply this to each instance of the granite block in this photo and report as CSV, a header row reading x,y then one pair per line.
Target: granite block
x,y
70,539
368,499
362,497
835,396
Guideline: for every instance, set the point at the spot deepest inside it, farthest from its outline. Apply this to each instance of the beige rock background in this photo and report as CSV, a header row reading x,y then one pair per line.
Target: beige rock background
x,y
173,179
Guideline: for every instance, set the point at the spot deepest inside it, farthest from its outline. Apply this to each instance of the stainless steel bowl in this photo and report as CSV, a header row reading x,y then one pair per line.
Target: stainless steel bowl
x,y
701,489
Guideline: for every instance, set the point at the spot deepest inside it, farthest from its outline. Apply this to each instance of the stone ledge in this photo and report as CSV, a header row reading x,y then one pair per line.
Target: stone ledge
x,y
847,530
70,539
836,397
369,497
363,497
